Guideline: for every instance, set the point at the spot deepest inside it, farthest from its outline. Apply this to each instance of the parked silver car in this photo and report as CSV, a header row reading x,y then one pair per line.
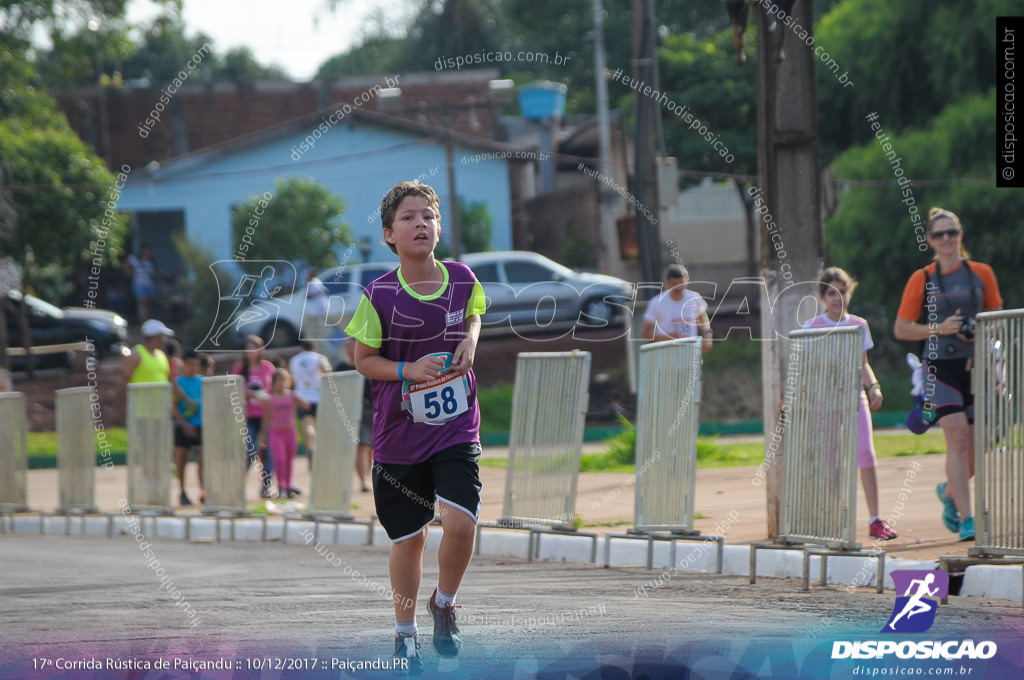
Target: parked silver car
x,y
284,320
527,292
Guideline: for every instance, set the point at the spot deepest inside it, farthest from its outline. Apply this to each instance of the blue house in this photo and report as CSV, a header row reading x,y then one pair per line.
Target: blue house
x,y
357,154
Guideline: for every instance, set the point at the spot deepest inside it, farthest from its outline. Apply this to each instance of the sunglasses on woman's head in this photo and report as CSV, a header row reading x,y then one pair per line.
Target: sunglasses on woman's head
x,y
951,233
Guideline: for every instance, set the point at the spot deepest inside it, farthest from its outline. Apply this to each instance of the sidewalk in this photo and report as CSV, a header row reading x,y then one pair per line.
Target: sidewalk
x,y
607,499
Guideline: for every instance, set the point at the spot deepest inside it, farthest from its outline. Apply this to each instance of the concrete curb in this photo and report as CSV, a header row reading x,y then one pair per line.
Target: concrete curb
x,y
1003,582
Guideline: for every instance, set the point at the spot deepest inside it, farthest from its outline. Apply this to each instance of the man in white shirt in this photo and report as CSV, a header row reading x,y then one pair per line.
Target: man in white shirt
x,y
306,368
677,312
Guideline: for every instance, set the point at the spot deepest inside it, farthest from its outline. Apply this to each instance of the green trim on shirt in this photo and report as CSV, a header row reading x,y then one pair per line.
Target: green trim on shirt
x,y
426,298
365,324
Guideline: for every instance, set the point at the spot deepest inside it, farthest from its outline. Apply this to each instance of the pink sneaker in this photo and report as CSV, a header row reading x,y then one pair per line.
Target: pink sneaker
x,y
881,530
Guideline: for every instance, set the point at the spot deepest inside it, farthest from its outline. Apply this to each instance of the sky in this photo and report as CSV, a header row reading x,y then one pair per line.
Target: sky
x,y
279,32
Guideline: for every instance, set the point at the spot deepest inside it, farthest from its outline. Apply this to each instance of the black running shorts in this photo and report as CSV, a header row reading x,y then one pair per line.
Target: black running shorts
x,y
947,387
404,495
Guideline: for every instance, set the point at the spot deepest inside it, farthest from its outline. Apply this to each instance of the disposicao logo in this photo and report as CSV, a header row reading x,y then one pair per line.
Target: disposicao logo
x,y
914,612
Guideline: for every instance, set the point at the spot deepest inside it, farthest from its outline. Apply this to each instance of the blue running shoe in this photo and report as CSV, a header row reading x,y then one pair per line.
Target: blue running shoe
x,y
407,655
950,515
967,529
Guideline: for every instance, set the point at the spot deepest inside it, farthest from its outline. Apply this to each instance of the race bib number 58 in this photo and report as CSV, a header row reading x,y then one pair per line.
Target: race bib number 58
x,y
439,400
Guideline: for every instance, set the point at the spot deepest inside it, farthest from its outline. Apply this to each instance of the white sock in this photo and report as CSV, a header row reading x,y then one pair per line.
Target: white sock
x,y
871,520
406,628
443,599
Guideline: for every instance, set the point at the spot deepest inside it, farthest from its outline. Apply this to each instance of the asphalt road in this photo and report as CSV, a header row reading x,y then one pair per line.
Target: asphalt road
x,y
255,604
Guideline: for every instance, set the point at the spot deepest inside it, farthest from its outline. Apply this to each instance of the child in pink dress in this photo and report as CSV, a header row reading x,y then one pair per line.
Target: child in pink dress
x,y
283,438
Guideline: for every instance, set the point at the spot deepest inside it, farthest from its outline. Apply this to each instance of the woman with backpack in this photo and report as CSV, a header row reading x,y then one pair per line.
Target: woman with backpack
x,y
938,309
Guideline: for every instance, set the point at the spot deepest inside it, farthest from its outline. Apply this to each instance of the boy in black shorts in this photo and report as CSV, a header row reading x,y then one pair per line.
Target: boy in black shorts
x,y
417,329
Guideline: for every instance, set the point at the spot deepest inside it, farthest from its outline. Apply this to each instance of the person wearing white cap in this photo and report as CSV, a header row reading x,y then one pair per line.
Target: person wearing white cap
x,y
147,363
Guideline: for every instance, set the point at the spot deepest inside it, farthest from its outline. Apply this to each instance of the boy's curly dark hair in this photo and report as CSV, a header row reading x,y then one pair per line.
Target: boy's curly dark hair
x,y
394,197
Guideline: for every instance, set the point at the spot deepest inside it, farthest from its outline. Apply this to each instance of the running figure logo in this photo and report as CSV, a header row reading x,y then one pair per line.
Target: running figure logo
x,y
254,301
914,611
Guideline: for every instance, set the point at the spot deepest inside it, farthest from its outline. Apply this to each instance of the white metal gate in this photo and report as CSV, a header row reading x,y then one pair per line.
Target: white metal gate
x,y
337,423
548,410
820,399
998,381
666,434
149,446
224,433
13,451
76,449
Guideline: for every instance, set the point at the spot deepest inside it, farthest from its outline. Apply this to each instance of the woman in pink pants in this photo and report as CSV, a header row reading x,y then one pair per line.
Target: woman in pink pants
x,y
283,439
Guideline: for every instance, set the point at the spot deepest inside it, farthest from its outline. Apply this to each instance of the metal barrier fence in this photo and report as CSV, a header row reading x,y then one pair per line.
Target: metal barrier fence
x,y
337,423
666,435
76,450
224,433
666,448
548,409
818,508
149,446
819,494
13,452
998,382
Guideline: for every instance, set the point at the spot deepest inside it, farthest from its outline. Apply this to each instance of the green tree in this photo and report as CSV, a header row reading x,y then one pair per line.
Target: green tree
x,y
872,234
58,189
195,284
907,60
56,193
19,19
299,221
701,75
240,66
82,58
476,225
165,50
375,54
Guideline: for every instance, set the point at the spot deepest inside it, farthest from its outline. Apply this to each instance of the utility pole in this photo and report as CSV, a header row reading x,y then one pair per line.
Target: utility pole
x,y
453,197
648,125
789,169
609,257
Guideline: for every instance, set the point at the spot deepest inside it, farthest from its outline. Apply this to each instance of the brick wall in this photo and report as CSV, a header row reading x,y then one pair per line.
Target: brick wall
x,y
199,116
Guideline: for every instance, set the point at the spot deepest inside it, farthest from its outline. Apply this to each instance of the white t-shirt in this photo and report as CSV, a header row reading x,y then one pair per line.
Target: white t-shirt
x,y
677,318
316,298
142,271
306,368
822,321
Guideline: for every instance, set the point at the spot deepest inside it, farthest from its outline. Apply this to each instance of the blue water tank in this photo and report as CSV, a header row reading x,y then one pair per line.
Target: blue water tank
x,y
542,99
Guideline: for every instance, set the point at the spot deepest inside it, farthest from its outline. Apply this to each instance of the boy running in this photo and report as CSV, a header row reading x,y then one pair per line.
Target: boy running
x,y
417,329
